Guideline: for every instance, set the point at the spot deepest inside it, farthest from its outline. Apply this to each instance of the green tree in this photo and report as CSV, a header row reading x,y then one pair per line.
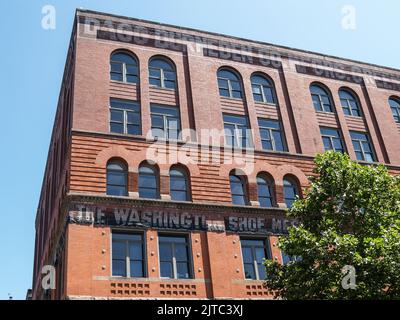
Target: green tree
x,y
350,216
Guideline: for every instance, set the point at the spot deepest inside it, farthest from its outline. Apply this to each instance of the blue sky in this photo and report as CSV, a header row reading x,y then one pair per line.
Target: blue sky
x,y
32,62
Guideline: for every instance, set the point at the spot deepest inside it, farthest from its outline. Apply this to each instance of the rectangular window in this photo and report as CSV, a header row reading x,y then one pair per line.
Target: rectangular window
x,y
125,117
254,251
174,257
165,122
128,255
272,137
237,131
332,139
362,146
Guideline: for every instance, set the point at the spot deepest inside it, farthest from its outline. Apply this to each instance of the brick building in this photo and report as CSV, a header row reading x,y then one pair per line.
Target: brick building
x,y
139,200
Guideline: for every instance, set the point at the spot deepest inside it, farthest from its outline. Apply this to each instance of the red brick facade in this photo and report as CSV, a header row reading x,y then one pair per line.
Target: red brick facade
x,y
82,145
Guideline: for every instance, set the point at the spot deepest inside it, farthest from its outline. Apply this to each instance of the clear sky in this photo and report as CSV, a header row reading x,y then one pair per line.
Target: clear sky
x,y
32,62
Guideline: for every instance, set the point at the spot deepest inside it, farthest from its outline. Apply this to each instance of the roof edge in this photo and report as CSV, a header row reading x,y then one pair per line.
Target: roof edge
x,y
79,10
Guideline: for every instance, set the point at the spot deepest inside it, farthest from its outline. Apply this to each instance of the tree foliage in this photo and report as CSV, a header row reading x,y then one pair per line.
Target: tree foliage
x,y
350,216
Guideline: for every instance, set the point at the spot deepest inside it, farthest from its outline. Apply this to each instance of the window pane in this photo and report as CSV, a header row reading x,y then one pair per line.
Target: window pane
x,y
178,184
260,254
327,143
317,103
116,67
269,95
116,190
133,129
147,181
169,84
238,200
278,141
119,268
249,271
136,269
181,252
165,252
265,134
179,195
155,82
256,89
369,157
223,84
131,70
265,202
261,272
359,156
168,75
118,250
132,79
166,270
116,127
337,144
116,178
155,73
182,270
117,76
117,115
224,92
135,251
236,94
366,147
357,146
247,255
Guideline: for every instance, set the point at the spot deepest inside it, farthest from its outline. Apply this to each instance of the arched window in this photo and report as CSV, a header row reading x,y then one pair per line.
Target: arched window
x,y
290,190
238,190
265,191
124,68
148,182
179,186
395,106
350,104
321,98
162,73
229,84
263,90
117,178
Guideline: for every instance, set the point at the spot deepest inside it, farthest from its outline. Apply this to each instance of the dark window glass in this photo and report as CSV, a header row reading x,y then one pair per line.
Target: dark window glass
x,y
229,84
125,117
332,139
238,192
174,257
165,122
265,192
362,146
148,182
117,179
290,191
263,90
272,137
123,67
237,131
127,255
162,73
349,103
254,252
286,259
321,99
395,107
178,185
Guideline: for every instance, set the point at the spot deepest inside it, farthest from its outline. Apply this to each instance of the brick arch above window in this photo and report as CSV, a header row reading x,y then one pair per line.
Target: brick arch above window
x,y
295,173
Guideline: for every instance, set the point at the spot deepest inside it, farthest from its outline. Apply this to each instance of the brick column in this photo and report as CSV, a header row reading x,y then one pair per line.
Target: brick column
x,y
133,183
164,185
